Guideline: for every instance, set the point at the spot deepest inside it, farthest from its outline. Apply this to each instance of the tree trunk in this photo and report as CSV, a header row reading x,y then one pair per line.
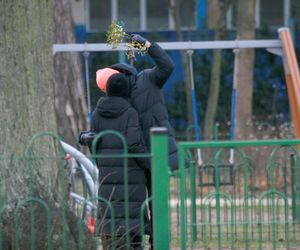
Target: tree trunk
x,y
27,107
244,70
175,11
70,103
215,76
26,94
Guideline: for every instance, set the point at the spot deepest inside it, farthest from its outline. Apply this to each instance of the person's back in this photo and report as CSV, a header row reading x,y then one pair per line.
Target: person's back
x,y
114,112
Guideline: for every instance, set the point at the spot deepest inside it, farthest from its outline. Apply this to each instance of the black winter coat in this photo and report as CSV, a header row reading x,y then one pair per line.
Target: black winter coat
x,y
147,96
116,113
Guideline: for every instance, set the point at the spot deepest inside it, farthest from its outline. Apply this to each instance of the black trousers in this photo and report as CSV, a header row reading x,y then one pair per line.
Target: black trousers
x,y
120,242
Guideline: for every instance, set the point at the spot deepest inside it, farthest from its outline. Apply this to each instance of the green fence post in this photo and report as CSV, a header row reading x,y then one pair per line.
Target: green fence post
x,y
294,189
160,188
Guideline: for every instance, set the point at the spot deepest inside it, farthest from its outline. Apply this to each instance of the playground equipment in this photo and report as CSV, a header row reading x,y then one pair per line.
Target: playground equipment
x,y
281,47
79,163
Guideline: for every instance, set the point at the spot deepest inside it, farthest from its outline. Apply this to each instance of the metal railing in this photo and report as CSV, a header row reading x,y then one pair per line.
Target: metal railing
x,y
252,203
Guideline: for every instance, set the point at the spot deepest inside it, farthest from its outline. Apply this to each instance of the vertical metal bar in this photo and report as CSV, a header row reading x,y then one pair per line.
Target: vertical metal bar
x,y
160,188
193,202
126,197
194,100
182,196
286,222
143,14
114,10
1,210
273,216
32,227
294,191
218,193
87,81
260,224
195,113
257,13
229,18
233,103
286,12
246,200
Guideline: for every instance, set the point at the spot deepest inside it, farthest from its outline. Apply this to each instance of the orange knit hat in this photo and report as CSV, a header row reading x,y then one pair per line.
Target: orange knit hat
x,y
102,75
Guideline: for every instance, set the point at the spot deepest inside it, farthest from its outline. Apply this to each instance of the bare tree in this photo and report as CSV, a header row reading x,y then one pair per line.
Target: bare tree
x,y
70,103
174,6
219,10
244,70
27,107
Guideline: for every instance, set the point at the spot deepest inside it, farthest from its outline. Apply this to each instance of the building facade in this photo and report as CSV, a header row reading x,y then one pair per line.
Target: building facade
x,y
156,15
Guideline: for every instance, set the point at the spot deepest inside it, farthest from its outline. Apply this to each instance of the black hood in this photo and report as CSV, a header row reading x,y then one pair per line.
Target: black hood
x,y
112,106
129,71
124,68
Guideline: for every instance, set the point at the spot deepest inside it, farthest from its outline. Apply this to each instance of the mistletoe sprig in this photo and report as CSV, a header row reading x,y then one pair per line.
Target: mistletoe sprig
x,y
116,34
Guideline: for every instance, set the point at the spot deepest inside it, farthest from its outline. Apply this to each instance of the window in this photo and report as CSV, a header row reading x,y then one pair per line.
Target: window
x,y
157,15
99,15
137,14
187,13
272,13
129,15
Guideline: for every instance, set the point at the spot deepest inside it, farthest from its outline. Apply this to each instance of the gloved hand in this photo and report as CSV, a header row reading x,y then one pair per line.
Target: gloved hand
x,y
138,41
86,138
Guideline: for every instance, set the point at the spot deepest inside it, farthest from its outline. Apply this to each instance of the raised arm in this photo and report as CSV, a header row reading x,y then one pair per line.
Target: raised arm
x,y
164,64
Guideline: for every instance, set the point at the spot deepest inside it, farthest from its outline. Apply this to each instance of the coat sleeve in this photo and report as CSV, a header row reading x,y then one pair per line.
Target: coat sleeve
x,y
135,140
164,65
94,127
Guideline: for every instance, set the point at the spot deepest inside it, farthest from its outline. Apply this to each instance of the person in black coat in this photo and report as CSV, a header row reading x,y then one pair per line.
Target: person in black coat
x,y
114,112
146,94
147,98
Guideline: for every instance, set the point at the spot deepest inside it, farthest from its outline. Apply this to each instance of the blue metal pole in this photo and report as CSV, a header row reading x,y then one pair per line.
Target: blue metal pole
x,y
194,100
233,103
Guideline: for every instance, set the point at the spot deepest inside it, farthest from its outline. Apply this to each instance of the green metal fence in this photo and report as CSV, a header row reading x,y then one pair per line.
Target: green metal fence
x,y
252,202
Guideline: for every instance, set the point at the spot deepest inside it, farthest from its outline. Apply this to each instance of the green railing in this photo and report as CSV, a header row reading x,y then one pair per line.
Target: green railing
x,y
252,202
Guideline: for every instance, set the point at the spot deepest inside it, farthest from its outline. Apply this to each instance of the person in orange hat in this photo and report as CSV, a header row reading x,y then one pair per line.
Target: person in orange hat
x,y
146,96
114,112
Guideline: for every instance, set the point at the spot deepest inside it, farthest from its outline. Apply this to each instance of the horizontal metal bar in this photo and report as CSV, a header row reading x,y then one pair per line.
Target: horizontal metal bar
x,y
235,144
81,200
191,45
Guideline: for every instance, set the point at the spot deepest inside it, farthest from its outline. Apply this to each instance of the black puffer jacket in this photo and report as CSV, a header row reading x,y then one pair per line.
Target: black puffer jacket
x,y
147,97
116,113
